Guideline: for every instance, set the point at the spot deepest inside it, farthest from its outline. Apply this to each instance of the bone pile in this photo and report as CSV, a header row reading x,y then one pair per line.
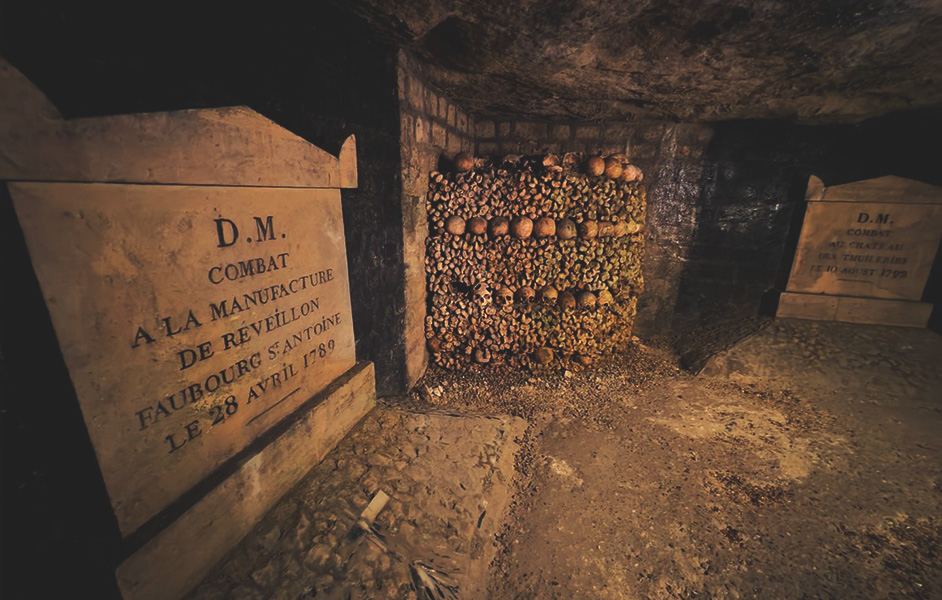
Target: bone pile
x,y
533,260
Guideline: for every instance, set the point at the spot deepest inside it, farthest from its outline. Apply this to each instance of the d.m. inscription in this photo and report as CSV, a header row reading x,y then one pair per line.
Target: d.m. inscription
x,y
192,319
865,249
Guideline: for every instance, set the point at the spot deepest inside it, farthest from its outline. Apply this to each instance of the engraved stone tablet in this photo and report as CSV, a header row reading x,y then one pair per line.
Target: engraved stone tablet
x,y
868,241
191,319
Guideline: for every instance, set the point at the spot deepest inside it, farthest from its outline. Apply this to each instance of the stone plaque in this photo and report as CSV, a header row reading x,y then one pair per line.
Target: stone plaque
x,y
191,319
866,249
874,239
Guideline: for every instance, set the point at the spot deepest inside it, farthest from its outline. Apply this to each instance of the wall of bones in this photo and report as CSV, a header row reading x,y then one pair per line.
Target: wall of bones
x,y
533,260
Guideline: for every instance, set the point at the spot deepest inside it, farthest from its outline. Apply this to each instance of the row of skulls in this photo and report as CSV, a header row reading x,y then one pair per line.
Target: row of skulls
x,y
522,227
502,295
614,166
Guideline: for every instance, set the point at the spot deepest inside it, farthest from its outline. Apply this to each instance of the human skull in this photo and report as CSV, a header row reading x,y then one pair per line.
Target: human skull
x,y
588,230
543,356
566,229
586,299
498,226
476,225
548,295
613,168
503,296
526,295
544,227
481,294
566,300
464,161
521,227
455,225
594,166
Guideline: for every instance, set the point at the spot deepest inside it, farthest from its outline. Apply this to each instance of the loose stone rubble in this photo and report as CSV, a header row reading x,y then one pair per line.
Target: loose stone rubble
x,y
449,480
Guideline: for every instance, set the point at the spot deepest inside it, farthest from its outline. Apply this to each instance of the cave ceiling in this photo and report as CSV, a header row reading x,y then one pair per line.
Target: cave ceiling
x,y
811,61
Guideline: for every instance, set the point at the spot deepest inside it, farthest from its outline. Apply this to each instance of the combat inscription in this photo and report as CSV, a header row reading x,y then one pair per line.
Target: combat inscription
x,y
191,319
866,249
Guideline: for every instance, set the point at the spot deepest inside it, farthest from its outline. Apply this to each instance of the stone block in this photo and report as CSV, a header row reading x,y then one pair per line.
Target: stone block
x,y
416,94
406,125
485,129
452,118
453,144
560,132
615,132
608,149
421,130
868,248
487,148
503,129
652,132
402,80
511,147
438,136
207,333
199,329
871,311
587,132
530,130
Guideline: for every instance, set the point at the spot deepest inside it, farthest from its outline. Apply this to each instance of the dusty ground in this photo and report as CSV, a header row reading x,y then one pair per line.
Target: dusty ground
x,y
449,481
805,462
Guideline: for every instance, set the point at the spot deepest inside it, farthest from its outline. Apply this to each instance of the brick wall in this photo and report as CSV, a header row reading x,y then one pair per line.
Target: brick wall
x,y
431,126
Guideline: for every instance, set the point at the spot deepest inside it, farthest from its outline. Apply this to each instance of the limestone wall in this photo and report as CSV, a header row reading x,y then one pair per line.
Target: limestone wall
x,y
431,126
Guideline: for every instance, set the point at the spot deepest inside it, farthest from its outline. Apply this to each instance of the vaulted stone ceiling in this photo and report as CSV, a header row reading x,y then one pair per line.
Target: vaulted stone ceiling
x,y
813,61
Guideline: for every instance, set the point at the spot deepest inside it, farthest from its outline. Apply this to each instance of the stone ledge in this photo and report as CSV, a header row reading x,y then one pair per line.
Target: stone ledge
x,y
847,309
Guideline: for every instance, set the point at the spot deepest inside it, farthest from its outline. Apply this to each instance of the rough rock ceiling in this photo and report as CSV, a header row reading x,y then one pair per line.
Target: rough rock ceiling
x,y
808,60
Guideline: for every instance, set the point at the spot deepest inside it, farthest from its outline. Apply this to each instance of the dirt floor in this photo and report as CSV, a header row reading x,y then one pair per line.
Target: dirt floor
x,y
805,462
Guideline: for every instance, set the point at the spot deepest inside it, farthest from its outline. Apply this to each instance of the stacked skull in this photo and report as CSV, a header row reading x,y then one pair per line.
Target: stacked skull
x,y
533,260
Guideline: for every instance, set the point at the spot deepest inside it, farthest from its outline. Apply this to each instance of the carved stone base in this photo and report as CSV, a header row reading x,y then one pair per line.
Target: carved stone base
x,y
848,309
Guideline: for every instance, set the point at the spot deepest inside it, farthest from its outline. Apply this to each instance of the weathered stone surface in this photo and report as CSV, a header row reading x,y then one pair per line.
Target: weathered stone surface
x,y
839,61
191,319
